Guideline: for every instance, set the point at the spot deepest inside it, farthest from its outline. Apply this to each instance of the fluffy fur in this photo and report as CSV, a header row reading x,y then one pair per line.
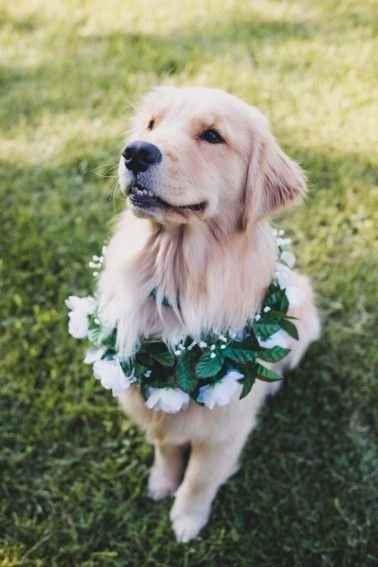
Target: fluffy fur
x,y
214,267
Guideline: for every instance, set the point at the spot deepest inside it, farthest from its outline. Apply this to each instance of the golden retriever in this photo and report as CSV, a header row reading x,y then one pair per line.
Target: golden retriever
x,y
202,172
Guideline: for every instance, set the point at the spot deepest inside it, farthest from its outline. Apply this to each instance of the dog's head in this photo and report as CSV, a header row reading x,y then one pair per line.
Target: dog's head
x,y
198,154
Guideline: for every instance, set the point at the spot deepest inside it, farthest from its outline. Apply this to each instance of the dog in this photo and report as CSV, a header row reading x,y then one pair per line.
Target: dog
x,y
202,173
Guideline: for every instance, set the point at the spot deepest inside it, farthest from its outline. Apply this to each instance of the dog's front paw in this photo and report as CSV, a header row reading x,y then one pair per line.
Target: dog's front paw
x,y
161,485
187,525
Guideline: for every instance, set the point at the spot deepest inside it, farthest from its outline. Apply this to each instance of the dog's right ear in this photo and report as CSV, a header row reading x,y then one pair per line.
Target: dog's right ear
x,y
274,181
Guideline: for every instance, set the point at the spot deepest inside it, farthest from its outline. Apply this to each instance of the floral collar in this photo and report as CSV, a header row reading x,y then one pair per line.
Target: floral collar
x,y
208,370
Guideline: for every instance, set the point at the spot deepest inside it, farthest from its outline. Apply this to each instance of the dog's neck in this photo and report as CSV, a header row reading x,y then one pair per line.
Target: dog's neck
x,y
211,280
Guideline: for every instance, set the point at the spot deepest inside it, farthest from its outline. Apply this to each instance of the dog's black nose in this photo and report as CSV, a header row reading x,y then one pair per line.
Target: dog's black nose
x,y
140,155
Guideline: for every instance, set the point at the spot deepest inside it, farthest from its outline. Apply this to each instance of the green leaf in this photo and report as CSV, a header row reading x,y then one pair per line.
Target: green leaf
x,y
239,354
100,337
185,374
144,359
139,369
273,354
265,330
266,374
153,346
127,367
250,373
276,298
290,328
164,358
208,366
284,302
94,336
161,380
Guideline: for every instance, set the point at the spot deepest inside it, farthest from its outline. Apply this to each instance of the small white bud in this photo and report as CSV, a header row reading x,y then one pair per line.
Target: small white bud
x,y
267,309
223,346
213,355
212,347
257,317
202,344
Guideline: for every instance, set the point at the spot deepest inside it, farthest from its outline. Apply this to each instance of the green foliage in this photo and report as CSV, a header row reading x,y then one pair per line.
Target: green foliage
x,y
198,363
73,470
273,354
267,374
290,328
207,366
185,372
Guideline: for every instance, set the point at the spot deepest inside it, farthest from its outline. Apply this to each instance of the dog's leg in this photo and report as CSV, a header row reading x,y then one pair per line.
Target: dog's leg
x,y
166,471
209,466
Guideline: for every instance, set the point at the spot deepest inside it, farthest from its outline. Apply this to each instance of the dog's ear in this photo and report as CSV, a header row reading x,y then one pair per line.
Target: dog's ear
x,y
284,183
274,181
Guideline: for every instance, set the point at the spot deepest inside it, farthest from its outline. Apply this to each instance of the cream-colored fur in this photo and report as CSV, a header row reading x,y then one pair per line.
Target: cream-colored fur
x,y
213,266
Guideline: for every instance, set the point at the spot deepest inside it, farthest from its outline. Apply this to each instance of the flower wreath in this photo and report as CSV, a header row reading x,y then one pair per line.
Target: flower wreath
x,y
209,370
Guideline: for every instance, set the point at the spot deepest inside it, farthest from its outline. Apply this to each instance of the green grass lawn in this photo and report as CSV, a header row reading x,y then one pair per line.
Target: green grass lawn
x,y
73,470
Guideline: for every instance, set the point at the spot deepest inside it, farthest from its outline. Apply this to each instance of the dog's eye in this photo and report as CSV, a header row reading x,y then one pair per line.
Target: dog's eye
x,y
151,124
211,136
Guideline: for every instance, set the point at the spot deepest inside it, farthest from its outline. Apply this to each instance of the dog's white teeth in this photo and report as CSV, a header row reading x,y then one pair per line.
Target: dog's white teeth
x,y
141,191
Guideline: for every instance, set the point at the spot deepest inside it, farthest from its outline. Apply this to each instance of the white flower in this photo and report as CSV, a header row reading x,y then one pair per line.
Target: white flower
x,y
295,295
93,354
288,258
283,276
170,400
283,242
278,339
80,307
111,376
221,393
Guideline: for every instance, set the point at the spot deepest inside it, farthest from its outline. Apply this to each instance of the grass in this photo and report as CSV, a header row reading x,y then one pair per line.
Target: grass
x,y
73,470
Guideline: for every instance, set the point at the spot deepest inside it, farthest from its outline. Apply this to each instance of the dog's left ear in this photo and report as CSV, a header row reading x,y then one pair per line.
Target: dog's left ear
x,y
274,181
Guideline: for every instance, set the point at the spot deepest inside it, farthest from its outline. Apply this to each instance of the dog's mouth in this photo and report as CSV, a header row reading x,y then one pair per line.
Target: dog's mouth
x,y
144,198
